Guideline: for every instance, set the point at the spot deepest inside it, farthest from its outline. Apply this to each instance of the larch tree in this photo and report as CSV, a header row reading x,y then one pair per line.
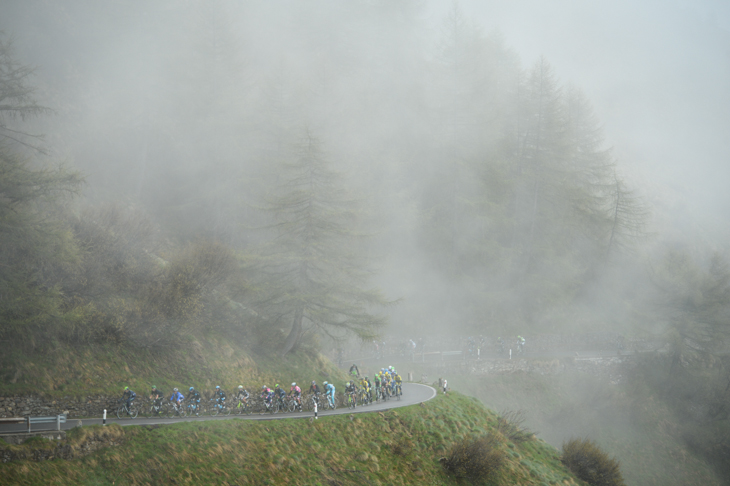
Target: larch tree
x,y
34,243
313,273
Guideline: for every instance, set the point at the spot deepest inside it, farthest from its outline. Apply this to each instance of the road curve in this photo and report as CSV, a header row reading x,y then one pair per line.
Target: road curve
x,y
413,393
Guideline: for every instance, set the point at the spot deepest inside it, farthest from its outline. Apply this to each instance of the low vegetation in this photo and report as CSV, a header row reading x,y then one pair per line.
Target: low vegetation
x,y
476,459
396,447
106,370
591,464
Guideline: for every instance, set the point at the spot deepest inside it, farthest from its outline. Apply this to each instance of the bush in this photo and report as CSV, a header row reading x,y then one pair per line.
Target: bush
x,y
509,424
587,461
474,459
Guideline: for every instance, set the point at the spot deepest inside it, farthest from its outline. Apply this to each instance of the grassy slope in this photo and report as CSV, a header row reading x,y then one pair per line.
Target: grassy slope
x,y
395,447
66,371
627,421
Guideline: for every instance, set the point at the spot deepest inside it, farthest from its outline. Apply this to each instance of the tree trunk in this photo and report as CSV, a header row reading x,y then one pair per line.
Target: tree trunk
x,y
293,337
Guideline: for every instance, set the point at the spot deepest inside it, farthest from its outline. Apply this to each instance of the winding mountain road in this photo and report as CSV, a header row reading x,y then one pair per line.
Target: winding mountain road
x,y
413,393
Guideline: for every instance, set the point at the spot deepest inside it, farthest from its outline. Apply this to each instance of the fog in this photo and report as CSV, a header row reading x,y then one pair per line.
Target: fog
x,y
493,168
657,73
182,108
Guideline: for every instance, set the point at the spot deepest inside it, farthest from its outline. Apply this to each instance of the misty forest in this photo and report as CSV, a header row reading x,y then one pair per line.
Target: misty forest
x,y
320,175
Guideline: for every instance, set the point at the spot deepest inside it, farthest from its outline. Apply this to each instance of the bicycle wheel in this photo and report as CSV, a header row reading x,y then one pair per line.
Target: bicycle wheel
x,y
225,410
133,411
121,412
159,411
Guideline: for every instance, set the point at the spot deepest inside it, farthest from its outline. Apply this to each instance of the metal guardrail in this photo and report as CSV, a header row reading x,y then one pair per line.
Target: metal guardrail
x,y
58,420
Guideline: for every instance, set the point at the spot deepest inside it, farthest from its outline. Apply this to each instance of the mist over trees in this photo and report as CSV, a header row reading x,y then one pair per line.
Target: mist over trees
x,y
490,200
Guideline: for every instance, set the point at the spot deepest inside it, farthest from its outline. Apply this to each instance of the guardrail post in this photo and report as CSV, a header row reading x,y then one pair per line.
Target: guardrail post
x,y
104,421
58,423
27,421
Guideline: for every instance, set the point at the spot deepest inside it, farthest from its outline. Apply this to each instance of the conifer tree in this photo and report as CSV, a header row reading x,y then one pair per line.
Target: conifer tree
x,y
313,272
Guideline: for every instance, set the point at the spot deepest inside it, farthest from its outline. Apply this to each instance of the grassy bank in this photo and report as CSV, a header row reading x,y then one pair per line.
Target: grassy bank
x,y
628,420
106,370
396,447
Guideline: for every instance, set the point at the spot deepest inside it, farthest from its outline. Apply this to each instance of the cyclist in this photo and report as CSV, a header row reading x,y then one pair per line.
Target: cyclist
x,y
194,398
386,385
156,395
365,386
329,391
376,383
280,394
354,371
128,396
520,344
296,392
176,398
398,383
267,395
314,388
220,397
242,394
351,390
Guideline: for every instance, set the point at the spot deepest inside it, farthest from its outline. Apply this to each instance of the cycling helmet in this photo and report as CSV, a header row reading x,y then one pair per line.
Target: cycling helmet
x,y
314,382
217,388
240,387
153,387
324,383
126,388
366,377
191,388
294,383
174,389
263,387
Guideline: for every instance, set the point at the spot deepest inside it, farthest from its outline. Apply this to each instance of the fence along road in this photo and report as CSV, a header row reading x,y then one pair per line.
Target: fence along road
x,y
413,393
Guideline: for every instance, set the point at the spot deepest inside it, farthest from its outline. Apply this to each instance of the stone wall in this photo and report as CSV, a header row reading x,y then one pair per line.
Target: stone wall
x,y
21,406
611,369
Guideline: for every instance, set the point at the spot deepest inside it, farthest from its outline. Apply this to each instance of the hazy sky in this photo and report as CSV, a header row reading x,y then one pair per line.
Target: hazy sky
x,y
657,71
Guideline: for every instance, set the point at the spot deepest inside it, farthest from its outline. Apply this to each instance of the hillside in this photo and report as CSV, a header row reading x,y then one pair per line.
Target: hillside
x,y
395,447
78,372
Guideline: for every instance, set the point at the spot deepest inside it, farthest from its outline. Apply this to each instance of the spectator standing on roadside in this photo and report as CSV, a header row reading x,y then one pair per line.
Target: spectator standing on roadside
x,y
445,387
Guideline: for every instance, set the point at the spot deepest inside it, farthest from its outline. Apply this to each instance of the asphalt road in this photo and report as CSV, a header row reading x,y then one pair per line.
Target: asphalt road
x,y
413,393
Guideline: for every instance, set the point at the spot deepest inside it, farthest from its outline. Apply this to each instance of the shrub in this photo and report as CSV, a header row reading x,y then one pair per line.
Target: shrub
x,y
587,461
474,459
509,424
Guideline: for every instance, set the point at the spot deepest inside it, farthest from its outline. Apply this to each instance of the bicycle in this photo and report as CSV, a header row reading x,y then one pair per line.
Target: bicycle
x,y
398,391
176,410
243,407
157,408
194,409
312,401
268,406
351,400
294,405
364,397
330,404
124,411
218,407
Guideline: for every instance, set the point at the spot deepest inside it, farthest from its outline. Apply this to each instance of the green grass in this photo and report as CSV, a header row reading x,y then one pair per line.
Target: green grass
x,y
397,447
106,370
629,421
